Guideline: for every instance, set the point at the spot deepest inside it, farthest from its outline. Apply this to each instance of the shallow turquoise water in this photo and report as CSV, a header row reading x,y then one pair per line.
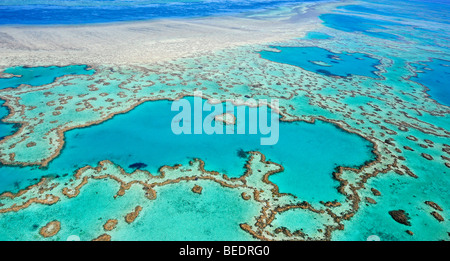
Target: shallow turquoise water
x,y
37,76
401,193
436,76
179,214
324,62
14,178
317,36
176,214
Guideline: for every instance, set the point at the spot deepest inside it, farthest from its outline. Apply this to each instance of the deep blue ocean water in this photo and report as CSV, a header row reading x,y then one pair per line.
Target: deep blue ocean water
x,y
324,62
430,10
435,75
78,12
350,23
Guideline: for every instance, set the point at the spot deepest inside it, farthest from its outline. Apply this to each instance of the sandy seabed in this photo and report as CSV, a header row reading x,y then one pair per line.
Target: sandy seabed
x,y
144,42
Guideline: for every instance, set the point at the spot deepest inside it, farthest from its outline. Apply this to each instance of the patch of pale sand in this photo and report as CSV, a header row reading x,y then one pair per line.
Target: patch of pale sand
x,y
226,118
146,42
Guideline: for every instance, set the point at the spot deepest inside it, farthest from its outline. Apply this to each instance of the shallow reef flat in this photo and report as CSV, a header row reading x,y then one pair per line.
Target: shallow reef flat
x,y
392,181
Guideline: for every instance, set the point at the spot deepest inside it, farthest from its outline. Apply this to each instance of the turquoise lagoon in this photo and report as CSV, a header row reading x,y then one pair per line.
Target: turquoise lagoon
x,y
324,62
37,76
6,129
309,152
